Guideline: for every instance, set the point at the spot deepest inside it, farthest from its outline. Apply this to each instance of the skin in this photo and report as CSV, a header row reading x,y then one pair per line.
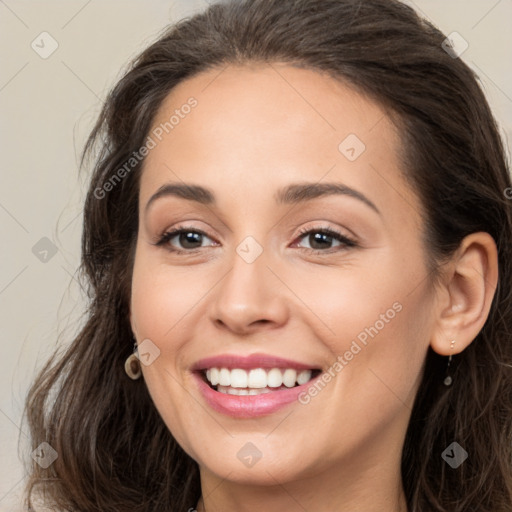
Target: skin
x,y
254,130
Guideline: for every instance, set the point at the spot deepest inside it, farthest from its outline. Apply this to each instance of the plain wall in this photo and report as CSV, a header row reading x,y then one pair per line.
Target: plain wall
x,y
47,108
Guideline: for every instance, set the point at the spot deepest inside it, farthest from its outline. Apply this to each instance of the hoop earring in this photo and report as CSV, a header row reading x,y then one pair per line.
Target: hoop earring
x,y
448,379
132,365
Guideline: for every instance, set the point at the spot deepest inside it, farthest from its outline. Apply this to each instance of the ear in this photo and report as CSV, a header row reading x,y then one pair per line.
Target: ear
x,y
464,298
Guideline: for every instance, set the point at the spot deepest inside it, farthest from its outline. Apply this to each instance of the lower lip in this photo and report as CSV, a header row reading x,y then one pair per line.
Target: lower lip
x,y
249,406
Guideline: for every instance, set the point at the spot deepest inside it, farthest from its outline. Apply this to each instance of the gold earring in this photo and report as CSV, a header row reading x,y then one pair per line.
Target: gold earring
x,y
448,379
132,365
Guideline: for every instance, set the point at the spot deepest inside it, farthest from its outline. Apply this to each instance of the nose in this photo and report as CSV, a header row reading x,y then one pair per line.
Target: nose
x,y
250,297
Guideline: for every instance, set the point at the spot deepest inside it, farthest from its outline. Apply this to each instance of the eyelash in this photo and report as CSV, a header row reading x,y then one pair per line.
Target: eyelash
x,y
330,232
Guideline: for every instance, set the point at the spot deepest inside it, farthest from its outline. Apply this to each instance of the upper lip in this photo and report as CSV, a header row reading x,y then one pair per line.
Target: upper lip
x,y
265,361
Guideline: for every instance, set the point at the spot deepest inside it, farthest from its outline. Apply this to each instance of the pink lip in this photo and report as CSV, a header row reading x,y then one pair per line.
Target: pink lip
x,y
231,361
249,406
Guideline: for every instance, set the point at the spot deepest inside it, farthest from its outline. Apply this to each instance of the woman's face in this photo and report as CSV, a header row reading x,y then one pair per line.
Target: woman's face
x,y
260,287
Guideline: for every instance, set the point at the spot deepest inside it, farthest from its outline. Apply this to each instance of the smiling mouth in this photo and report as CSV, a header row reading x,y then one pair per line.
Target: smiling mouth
x,y
256,381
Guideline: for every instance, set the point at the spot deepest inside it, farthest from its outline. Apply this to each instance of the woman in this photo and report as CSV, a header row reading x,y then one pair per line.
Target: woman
x,y
337,336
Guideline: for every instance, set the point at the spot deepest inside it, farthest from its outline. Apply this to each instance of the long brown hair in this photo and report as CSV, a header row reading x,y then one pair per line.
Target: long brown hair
x,y
115,452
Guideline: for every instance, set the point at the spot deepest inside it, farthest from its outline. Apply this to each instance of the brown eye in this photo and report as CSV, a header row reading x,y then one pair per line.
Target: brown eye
x,y
185,239
321,240
189,239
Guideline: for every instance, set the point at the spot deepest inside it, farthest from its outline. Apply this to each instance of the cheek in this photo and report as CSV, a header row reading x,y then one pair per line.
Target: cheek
x,y
379,323
381,354
373,307
162,297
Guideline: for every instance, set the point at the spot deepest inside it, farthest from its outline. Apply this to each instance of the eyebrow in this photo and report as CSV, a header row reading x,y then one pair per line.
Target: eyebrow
x,y
294,193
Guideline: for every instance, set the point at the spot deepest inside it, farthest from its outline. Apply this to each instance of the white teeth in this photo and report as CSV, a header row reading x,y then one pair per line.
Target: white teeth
x,y
238,379
303,377
235,391
257,378
289,378
224,377
214,376
274,378
243,382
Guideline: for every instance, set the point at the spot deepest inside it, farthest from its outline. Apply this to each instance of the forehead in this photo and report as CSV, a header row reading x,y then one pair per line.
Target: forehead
x,y
255,128
272,104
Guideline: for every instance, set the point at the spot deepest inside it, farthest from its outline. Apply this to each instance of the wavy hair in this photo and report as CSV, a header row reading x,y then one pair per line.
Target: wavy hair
x,y
115,452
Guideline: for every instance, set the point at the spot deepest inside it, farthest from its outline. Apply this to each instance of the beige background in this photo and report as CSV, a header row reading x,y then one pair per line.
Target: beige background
x,y
47,107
